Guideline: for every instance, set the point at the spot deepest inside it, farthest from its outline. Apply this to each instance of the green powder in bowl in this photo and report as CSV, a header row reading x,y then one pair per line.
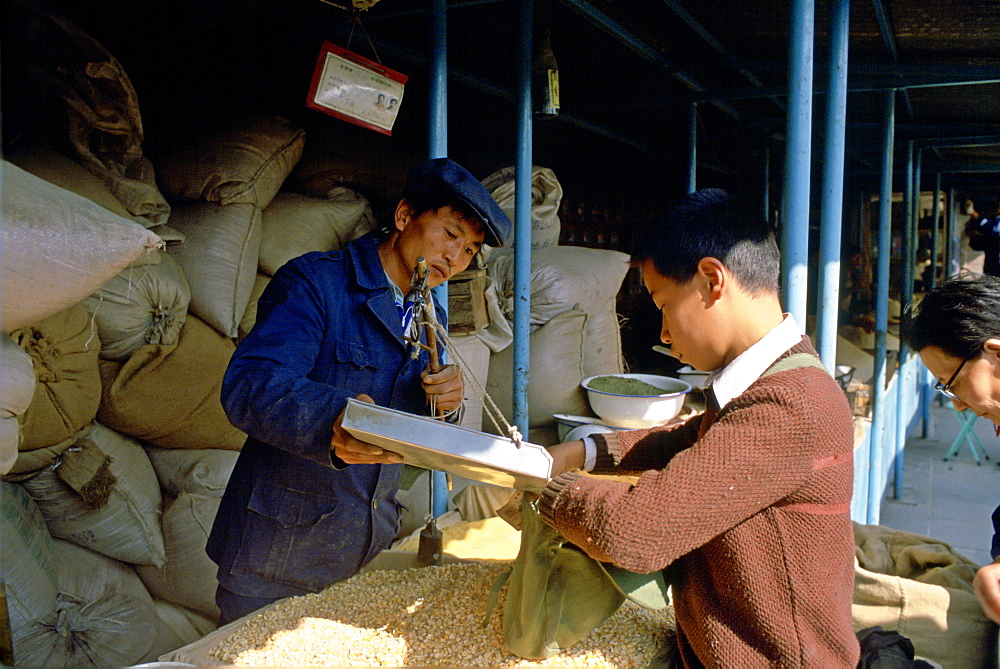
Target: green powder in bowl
x,y
620,385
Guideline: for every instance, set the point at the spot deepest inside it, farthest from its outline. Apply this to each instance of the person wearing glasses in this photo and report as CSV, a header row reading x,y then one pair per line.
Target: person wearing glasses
x,y
956,331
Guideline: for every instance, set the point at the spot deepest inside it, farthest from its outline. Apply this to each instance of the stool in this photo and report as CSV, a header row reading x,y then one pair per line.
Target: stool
x,y
967,421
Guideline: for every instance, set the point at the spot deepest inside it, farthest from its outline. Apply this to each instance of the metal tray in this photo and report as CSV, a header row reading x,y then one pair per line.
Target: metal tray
x,y
435,444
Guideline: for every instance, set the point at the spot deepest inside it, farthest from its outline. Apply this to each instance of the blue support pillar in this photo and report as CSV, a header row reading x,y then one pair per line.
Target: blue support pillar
x,y
879,395
438,19
954,241
795,200
522,217
903,393
832,213
692,180
924,383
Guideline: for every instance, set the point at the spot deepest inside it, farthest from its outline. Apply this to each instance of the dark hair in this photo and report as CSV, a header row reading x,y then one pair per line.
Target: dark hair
x,y
709,223
957,316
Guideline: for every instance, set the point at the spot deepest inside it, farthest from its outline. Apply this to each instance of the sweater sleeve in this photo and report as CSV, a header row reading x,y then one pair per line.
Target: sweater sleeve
x,y
639,450
759,450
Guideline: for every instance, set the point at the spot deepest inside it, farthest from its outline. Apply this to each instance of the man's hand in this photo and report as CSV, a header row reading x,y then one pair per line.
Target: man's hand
x,y
987,588
356,452
446,387
566,456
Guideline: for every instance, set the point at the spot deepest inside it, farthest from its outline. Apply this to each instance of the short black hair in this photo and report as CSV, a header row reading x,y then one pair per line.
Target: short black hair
x,y
710,223
957,316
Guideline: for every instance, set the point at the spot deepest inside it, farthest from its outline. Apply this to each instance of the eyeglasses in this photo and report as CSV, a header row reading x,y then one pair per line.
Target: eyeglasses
x,y
945,388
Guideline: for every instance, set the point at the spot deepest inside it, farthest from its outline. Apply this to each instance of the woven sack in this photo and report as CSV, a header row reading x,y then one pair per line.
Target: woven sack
x,y
250,315
178,627
546,196
89,577
294,224
169,396
188,577
561,277
63,350
556,364
244,160
921,588
204,471
127,526
219,259
26,566
140,305
17,374
58,247
87,92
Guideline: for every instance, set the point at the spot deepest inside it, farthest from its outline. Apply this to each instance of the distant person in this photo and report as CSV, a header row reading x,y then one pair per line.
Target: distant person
x,y
984,236
956,331
746,507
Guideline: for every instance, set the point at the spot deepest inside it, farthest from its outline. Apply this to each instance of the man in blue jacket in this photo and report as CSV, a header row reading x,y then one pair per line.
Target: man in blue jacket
x,y
307,504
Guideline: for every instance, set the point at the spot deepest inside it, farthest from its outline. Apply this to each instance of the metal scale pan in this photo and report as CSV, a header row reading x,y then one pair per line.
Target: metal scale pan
x,y
435,444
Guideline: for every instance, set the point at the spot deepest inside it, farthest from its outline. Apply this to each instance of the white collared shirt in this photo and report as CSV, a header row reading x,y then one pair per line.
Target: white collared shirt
x,y
731,381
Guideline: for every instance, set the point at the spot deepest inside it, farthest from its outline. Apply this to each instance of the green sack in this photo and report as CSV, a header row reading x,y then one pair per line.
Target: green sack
x,y
557,593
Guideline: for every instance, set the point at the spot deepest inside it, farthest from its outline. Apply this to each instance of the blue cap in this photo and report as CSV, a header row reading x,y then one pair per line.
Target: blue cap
x,y
444,178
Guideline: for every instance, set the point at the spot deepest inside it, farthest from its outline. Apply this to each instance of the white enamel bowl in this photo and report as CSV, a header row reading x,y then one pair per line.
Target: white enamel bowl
x,y
636,411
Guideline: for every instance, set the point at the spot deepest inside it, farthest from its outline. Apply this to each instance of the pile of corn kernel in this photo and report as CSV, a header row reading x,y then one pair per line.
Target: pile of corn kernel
x,y
421,617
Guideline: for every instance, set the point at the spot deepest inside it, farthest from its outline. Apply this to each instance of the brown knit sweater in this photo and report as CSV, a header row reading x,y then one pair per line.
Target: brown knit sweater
x,y
750,510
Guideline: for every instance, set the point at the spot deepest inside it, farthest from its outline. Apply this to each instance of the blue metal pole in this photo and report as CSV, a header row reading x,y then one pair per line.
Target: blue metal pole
x,y
879,404
438,19
954,243
832,213
905,297
522,217
795,203
692,181
923,376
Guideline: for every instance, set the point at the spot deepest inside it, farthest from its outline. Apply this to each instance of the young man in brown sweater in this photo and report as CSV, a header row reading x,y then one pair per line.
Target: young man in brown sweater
x,y
747,506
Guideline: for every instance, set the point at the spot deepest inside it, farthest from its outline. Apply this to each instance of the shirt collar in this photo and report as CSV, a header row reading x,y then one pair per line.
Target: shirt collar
x,y
731,381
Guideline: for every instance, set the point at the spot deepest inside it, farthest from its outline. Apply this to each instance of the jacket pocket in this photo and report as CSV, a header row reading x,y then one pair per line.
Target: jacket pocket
x,y
289,535
354,367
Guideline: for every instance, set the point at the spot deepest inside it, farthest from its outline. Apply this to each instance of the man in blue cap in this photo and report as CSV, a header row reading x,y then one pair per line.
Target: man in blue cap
x,y
307,504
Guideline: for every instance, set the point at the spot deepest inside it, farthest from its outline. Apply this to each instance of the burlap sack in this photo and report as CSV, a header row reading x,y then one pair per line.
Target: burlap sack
x,y
244,160
17,376
250,315
26,551
66,173
169,396
58,247
921,588
178,627
127,526
561,277
556,370
204,471
546,196
219,259
90,577
88,94
294,224
140,305
63,350
188,577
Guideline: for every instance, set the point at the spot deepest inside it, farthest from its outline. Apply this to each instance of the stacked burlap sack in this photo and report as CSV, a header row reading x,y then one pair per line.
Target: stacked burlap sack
x,y
921,588
117,331
573,316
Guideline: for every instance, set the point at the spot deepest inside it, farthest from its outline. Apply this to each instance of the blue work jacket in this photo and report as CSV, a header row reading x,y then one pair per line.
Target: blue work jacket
x,y
294,517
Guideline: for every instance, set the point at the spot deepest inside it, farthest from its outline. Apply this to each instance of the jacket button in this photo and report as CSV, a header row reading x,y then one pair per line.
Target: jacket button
x,y
374,504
